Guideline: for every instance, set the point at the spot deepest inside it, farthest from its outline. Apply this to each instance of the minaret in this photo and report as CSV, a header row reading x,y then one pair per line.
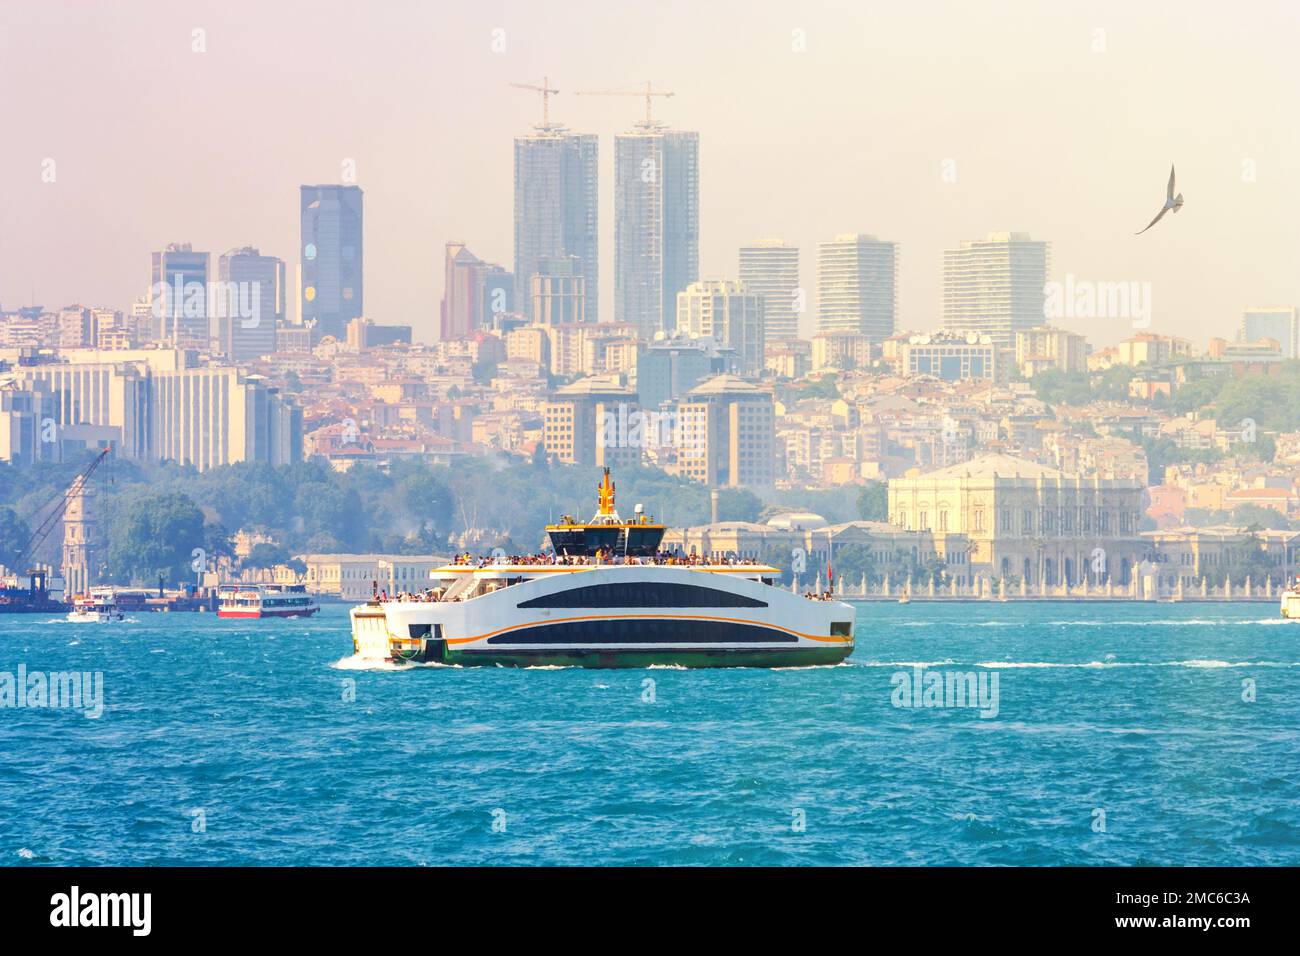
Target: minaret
x,y
80,539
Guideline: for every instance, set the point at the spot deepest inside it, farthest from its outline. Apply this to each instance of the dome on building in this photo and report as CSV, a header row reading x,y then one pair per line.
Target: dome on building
x,y
797,521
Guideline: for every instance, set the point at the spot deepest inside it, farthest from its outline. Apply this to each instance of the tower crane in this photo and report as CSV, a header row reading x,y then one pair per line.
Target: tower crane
x,y
648,92
547,92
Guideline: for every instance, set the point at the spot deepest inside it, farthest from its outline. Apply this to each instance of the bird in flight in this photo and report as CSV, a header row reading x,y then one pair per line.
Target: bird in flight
x,y
1171,202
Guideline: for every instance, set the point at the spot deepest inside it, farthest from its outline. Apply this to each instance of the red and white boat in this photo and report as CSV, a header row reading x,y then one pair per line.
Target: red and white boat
x,y
265,600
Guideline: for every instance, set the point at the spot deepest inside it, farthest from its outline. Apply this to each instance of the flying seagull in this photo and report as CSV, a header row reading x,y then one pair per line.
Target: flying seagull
x,y
1171,202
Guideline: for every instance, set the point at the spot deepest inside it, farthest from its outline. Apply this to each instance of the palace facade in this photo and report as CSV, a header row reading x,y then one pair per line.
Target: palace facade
x,y
1027,521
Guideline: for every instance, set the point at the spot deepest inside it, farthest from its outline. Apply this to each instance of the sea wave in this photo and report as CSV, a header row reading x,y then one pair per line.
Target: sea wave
x,y
1195,663
943,663
1170,622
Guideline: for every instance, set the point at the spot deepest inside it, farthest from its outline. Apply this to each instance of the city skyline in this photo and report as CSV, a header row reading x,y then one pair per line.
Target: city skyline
x,y
955,168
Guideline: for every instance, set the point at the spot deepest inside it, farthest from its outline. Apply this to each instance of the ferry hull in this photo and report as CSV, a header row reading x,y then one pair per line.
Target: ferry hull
x,y
253,615
718,657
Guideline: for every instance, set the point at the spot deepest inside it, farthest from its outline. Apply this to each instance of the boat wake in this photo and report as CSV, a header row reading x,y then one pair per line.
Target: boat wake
x,y
355,662
942,663
1171,622
1085,665
1164,622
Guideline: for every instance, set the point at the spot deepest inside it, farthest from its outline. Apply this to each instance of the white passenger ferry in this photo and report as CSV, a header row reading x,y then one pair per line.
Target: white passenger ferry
x,y
605,597
1291,601
265,600
97,607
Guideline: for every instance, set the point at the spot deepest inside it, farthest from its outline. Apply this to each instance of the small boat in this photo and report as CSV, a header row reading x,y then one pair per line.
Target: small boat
x,y
1291,601
97,607
254,601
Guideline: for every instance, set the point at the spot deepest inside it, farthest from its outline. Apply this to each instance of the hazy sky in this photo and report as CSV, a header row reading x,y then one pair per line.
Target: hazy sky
x,y
153,142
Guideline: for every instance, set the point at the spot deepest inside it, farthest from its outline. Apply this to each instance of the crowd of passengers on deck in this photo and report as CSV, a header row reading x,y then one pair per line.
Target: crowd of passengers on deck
x,y
552,558
603,556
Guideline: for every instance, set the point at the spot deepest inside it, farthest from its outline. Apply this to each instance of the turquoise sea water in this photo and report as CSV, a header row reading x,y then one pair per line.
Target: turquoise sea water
x,y
226,742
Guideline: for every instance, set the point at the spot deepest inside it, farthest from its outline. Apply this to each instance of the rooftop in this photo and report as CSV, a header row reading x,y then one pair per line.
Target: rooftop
x,y
1004,466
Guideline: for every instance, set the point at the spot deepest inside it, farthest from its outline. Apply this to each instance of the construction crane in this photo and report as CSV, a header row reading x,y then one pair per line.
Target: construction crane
x,y
648,92
56,515
547,92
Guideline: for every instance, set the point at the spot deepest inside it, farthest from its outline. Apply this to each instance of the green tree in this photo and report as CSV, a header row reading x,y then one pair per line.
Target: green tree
x,y
265,555
738,504
323,543
1270,401
1249,560
852,561
14,534
1057,387
781,557
873,501
1205,518
1195,395
1112,384
1162,451
155,534
217,542
424,499
823,387
1258,516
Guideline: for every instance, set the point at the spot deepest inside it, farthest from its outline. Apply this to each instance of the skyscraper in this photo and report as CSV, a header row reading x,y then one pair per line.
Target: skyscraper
x,y
247,295
178,296
556,213
1277,323
770,268
474,292
728,313
857,291
656,224
331,283
728,430
994,286
585,422
669,368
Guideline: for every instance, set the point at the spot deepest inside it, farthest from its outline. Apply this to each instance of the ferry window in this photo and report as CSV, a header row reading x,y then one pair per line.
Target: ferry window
x,y
646,632
642,594
419,630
